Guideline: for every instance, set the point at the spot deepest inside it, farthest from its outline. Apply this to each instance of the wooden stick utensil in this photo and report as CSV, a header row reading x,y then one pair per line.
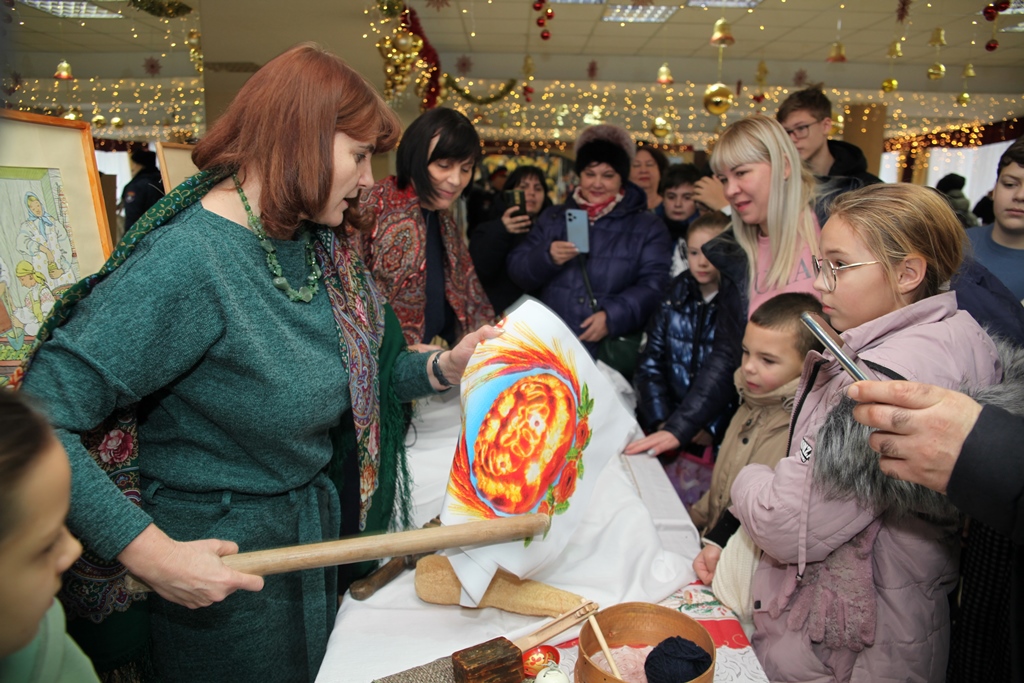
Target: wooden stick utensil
x,y
604,645
349,550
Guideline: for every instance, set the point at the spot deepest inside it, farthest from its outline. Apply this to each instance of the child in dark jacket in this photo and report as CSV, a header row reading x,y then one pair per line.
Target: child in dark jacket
x,y
679,336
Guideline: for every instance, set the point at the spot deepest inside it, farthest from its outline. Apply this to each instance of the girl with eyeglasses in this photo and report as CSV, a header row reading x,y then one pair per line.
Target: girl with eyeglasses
x,y
857,567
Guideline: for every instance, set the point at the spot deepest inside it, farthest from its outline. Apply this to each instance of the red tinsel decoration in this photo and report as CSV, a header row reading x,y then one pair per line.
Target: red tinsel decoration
x,y
903,10
428,54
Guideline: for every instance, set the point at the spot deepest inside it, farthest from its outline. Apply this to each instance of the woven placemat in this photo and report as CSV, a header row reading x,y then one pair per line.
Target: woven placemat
x,y
438,671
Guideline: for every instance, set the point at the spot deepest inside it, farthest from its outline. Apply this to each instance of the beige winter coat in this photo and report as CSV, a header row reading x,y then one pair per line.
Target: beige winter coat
x,y
758,432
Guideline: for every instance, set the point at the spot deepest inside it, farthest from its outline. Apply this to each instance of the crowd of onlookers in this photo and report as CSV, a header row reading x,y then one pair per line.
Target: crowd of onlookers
x,y
282,274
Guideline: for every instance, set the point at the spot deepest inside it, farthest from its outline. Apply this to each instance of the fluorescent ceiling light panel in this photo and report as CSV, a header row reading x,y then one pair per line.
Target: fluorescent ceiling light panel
x,y
729,4
72,9
650,14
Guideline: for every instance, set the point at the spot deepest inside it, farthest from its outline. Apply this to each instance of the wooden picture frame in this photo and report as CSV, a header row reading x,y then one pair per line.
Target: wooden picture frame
x,y
53,222
175,161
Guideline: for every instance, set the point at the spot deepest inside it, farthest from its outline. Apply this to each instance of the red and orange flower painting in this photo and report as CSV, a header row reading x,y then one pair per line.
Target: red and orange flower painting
x,y
526,428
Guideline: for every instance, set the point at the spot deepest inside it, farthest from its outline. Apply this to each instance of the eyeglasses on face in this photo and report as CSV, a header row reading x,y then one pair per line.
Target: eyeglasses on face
x,y
830,275
802,131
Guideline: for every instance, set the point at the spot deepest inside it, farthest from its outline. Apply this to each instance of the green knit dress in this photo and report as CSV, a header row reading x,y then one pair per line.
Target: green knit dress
x,y
240,391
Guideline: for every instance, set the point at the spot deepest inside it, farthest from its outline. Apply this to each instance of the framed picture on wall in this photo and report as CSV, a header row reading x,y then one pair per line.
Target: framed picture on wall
x,y
53,224
175,161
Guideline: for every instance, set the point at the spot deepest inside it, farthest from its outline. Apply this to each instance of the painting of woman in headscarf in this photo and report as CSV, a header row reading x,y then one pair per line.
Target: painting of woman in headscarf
x,y
44,241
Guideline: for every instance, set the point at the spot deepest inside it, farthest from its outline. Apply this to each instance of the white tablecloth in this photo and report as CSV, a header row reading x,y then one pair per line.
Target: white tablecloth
x,y
636,544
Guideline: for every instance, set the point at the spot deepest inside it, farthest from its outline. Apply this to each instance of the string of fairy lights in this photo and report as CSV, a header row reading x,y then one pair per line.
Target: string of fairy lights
x,y
562,108
168,108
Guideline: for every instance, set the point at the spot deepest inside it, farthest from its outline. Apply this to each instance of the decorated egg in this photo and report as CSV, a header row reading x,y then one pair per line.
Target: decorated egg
x,y
552,674
536,659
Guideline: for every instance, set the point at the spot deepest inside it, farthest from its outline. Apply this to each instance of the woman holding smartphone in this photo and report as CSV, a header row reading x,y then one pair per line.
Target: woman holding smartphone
x,y
611,291
491,242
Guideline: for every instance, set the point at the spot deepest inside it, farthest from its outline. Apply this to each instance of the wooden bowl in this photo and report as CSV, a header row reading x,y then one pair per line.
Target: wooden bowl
x,y
638,624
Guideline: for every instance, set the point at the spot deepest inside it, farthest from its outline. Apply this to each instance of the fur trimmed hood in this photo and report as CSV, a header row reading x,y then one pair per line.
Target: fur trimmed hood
x,y
845,466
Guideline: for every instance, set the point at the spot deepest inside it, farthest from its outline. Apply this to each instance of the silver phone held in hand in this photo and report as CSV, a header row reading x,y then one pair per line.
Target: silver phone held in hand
x,y
577,229
833,342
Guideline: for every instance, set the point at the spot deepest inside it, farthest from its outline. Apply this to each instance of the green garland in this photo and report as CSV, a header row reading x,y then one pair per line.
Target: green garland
x,y
165,9
507,87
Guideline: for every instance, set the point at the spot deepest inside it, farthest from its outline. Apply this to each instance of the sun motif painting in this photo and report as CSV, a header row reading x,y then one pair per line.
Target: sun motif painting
x,y
539,423
525,431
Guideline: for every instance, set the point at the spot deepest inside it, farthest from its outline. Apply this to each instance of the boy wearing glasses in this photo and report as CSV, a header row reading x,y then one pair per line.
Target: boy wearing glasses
x,y
807,117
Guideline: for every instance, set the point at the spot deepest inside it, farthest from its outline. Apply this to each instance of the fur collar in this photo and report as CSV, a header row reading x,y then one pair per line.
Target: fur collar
x,y
846,467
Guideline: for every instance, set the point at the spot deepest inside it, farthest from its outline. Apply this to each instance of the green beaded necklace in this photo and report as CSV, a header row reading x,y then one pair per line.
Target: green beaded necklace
x,y
306,291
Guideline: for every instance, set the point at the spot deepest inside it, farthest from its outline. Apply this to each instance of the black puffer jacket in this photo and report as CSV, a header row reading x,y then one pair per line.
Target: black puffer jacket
x,y
679,339
711,390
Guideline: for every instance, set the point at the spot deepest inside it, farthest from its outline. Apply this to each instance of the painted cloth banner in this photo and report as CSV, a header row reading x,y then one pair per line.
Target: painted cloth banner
x,y
539,423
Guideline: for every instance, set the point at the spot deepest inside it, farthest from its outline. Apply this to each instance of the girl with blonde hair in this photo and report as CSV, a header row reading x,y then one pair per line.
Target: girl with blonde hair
x,y
857,566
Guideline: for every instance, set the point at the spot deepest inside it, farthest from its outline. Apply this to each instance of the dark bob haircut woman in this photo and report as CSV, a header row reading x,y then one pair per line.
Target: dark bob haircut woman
x,y
457,140
281,125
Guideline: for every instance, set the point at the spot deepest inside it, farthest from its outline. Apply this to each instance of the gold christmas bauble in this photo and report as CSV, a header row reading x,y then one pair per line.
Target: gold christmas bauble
x,y
117,122
99,120
963,99
890,84
936,71
660,127
74,114
718,98
403,41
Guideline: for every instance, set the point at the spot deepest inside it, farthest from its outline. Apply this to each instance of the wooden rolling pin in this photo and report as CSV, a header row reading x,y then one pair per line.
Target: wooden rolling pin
x,y
349,550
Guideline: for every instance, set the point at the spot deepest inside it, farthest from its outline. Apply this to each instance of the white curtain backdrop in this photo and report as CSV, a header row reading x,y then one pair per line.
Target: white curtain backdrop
x,y
976,164
889,170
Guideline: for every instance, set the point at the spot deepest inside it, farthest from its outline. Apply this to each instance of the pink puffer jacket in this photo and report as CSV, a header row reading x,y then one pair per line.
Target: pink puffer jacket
x,y
829,497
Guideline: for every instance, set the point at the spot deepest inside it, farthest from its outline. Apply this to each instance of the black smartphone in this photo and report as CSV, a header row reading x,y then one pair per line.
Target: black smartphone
x,y
515,198
833,342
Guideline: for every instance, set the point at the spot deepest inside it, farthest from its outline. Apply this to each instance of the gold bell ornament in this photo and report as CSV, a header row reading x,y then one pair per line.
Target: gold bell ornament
x,y
938,38
895,49
99,121
117,122
968,71
890,84
74,114
718,98
836,53
660,127
722,34
936,71
63,72
963,99
664,75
